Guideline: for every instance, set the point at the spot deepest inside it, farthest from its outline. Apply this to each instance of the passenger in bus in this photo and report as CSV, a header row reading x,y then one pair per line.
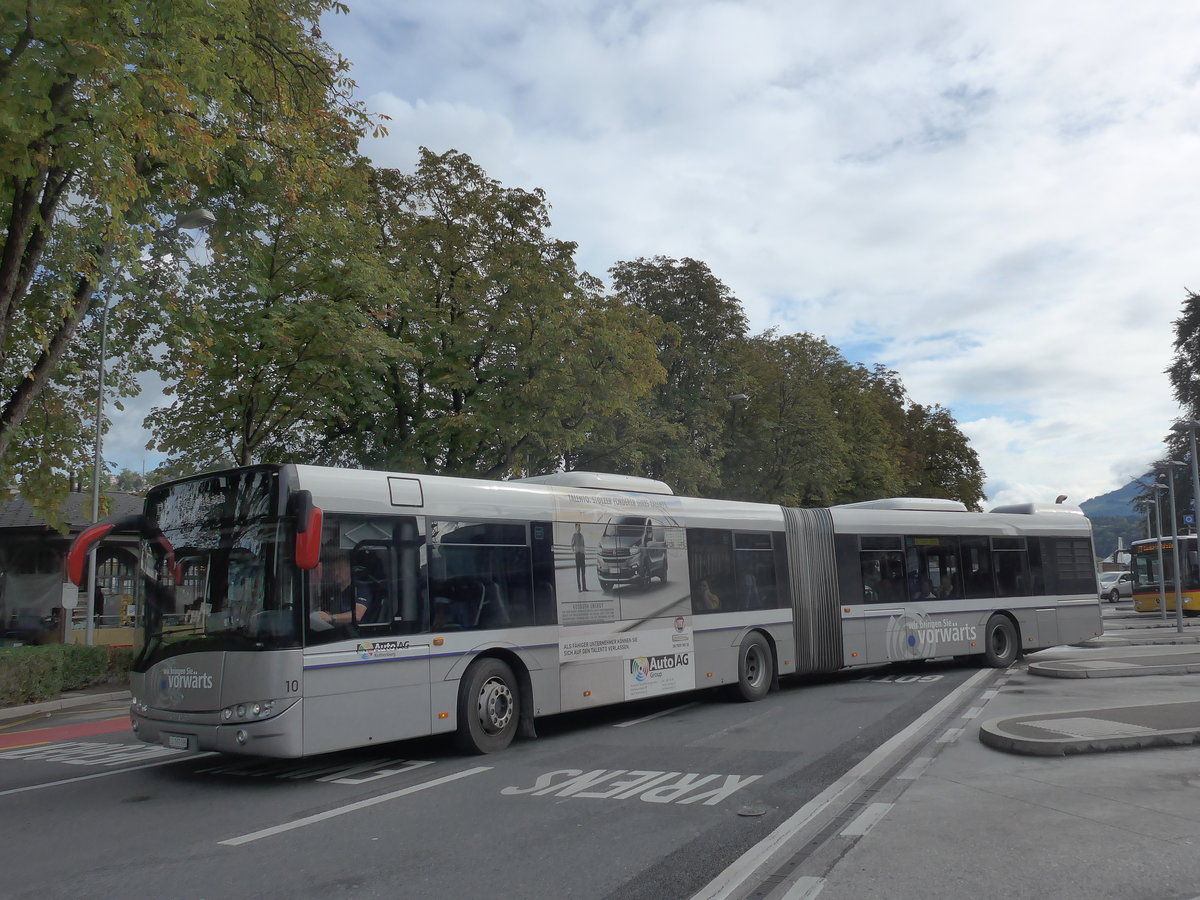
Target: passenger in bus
x,y
872,577
891,585
705,598
345,600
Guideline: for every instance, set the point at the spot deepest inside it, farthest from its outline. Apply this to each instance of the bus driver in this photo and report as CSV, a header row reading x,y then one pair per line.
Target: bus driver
x,y
345,600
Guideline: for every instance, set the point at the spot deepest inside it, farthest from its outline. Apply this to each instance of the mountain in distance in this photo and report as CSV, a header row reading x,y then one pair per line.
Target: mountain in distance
x,y
1113,517
1114,503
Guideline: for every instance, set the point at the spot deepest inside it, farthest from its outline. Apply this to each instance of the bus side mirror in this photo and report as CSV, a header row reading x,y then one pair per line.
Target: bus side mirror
x,y
78,553
309,519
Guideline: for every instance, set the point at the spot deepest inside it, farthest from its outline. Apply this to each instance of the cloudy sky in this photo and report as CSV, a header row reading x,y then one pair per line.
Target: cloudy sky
x,y
997,200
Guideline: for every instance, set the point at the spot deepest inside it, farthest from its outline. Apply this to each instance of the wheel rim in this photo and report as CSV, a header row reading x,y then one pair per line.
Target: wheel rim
x,y
1000,645
495,707
753,666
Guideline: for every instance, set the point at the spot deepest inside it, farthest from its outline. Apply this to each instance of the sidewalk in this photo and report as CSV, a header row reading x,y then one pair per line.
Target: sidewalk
x,y
69,700
1128,652
1048,814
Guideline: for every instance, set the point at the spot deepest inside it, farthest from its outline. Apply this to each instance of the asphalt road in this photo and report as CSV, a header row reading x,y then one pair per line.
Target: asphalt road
x,y
644,800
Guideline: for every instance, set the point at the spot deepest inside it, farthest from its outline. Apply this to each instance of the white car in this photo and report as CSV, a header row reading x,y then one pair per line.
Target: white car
x,y
1115,585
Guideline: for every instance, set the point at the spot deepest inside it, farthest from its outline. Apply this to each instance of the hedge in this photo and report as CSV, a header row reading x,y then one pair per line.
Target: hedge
x,y
33,674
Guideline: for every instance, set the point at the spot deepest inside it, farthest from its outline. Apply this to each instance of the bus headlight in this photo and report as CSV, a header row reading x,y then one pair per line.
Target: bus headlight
x,y
257,709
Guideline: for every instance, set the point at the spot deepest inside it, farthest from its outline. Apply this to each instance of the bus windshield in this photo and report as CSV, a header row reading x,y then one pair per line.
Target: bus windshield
x,y
1146,565
215,555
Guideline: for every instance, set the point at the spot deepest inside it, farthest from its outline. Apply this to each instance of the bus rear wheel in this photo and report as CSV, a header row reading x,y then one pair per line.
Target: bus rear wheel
x,y
999,642
756,667
488,707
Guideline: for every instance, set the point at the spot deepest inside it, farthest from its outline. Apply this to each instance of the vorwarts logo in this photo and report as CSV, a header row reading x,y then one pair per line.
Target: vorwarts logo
x,y
916,636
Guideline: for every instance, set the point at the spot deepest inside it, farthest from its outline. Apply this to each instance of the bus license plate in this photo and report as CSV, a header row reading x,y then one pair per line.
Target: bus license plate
x,y
177,741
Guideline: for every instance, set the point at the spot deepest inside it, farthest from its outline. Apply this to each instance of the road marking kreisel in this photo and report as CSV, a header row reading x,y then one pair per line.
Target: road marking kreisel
x,y
744,867
349,808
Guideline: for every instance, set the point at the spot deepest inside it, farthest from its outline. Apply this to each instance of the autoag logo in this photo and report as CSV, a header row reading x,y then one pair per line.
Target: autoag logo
x,y
380,649
917,636
643,668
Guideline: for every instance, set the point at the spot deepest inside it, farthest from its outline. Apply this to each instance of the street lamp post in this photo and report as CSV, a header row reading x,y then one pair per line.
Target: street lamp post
x,y
1162,572
1176,571
189,221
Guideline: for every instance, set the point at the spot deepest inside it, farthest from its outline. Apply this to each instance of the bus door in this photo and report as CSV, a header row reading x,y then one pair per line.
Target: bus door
x,y
366,657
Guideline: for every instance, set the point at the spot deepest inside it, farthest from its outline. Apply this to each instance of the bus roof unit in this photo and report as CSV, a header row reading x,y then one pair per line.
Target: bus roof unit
x,y
925,504
601,481
1035,509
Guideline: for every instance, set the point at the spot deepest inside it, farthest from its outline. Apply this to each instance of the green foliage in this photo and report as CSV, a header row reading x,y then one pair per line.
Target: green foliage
x,y
83,665
1184,371
29,674
512,354
677,433
34,674
284,318
115,117
940,460
817,430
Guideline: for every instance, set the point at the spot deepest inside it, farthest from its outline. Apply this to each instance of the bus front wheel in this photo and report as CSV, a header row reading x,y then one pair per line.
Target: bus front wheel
x,y
488,707
1000,642
755,667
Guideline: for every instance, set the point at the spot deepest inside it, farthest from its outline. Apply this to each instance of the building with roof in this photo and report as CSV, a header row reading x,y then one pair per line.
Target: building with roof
x,y
33,570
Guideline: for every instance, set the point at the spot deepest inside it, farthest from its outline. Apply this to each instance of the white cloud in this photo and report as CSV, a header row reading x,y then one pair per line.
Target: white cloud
x,y
996,200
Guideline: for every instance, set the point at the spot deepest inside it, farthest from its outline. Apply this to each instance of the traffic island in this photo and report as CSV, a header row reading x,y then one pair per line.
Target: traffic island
x,y
1095,730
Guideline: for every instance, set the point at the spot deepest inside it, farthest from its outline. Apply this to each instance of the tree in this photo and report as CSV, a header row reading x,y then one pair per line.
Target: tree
x,y
786,446
514,354
283,319
130,481
1184,371
678,434
940,461
116,116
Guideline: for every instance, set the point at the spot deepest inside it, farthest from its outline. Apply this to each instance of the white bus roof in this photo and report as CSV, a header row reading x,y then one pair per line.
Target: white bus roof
x,y
925,504
601,481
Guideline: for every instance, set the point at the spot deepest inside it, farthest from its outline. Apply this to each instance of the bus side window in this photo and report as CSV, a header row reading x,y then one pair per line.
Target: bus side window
x,y
545,603
711,566
882,563
481,575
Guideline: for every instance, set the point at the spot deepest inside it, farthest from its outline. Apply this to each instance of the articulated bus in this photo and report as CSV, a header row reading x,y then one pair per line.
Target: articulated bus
x,y
294,610
1147,577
